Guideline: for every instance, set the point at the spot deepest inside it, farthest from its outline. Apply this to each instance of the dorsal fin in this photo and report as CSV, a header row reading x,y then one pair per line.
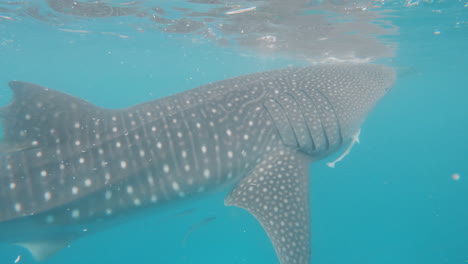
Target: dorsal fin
x,y
47,135
37,113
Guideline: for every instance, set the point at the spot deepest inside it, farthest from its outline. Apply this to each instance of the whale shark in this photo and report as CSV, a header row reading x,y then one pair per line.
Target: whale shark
x,y
67,165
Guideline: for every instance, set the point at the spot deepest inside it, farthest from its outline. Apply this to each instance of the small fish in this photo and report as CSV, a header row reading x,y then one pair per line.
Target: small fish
x,y
129,3
195,227
74,30
242,10
6,17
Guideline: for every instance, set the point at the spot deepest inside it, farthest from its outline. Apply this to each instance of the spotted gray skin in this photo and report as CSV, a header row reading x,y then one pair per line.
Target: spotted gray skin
x,y
67,164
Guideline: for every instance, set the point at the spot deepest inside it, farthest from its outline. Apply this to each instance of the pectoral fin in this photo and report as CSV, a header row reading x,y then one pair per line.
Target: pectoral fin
x,y
277,194
42,250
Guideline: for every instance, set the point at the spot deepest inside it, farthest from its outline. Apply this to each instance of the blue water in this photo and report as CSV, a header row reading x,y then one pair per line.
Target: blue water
x,y
392,200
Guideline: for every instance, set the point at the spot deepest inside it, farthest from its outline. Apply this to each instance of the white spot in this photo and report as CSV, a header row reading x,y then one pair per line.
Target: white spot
x,y
114,118
129,189
148,113
133,123
18,207
12,185
9,167
228,132
206,173
27,117
107,176
187,167
49,219
39,154
198,125
75,213
203,149
154,198
108,195
118,144
159,145
43,173
114,129
142,153
230,154
137,137
82,160
175,186
166,168
77,143
47,196
137,201
100,151
179,134
75,190
108,211
88,182
153,128
123,164
150,180
62,166
184,154
77,125
35,143
246,137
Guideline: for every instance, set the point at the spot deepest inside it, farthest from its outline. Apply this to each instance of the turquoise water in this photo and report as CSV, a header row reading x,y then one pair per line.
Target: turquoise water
x,y
392,200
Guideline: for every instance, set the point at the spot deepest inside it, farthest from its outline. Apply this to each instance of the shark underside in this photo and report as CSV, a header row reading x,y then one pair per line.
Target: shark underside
x,y
66,163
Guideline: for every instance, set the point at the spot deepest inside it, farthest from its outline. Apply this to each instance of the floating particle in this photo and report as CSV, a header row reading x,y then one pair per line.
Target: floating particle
x,y
18,259
437,32
455,176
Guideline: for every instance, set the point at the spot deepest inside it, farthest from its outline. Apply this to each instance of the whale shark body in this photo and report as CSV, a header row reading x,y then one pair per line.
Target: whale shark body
x,y
67,164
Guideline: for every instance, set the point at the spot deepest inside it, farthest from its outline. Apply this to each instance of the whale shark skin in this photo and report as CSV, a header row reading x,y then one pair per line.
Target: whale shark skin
x,y
66,164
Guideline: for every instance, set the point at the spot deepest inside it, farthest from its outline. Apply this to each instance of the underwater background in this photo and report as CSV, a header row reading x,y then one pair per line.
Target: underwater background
x,y
401,196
